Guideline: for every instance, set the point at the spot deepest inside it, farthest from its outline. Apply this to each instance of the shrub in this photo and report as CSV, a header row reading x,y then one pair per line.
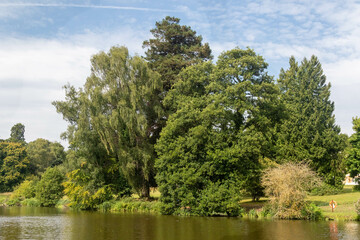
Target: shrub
x,y
267,211
252,213
31,202
287,186
27,189
63,202
356,188
217,199
132,205
325,189
50,189
311,212
83,195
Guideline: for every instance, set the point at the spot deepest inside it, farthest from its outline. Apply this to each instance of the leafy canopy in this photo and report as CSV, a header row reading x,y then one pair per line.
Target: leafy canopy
x,y
173,48
214,139
14,165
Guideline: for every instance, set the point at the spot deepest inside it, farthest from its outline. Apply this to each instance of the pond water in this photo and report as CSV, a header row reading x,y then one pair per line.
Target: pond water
x,y
51,223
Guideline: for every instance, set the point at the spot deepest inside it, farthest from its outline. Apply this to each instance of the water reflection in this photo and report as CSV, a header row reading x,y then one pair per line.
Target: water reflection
x,y
42,223
333,230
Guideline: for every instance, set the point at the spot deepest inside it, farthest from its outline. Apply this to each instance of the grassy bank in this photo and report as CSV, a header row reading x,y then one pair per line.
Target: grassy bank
x,y
345,209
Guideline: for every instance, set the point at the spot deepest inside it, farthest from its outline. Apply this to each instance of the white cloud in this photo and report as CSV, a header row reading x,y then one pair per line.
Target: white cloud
x,y
33,71
69,5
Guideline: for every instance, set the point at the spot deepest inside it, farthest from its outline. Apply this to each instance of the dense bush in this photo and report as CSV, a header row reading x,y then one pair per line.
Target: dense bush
x,y
132,205
31,202
325,189
14,165
50,189
82,194
287,186
27,189
218,199
356,188
311,212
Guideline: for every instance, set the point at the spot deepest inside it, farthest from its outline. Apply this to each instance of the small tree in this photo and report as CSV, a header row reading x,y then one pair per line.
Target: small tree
x,y
49,190
17,133
287,186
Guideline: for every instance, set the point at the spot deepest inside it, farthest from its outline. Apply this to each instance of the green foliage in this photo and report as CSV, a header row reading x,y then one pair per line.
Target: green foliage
x,y
14,165
50,189
267,211
222,126
83,192
325,189
31,202
134,205
353,153
217,199
13,202
173,48
309,133
252,213
311,212
17,133
43,154
27,189
116,109
356,188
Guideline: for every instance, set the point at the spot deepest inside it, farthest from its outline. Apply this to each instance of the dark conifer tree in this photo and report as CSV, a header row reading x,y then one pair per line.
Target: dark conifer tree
x,y
309,132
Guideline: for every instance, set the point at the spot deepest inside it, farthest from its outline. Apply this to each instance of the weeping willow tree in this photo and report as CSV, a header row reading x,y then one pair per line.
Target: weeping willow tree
x,y
121,109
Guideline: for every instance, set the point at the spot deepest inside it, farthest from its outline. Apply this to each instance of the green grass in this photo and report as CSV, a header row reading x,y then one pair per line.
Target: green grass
x,y
154,193
345,209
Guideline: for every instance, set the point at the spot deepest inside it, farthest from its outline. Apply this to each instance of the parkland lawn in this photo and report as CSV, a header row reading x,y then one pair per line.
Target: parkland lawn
x,y
345,209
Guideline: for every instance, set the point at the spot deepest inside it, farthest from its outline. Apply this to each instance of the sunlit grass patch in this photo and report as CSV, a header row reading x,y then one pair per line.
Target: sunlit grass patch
x,y
345,209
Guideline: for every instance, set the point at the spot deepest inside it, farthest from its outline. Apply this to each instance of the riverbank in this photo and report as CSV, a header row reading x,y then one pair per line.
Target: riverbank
x,y
344,211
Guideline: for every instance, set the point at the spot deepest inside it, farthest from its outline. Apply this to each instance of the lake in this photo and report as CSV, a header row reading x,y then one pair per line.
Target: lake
x,y
51,223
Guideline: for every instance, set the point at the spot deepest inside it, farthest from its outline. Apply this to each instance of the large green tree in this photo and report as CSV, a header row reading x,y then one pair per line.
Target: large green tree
x,y
43,154
353,155
309,132
221,130
117,108
14,165
173,48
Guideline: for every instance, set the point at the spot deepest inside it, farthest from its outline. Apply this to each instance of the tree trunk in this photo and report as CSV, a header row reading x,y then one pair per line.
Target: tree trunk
x,y
145,192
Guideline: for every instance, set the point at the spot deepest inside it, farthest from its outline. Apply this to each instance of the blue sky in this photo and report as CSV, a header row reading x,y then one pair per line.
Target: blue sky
x,y
46,44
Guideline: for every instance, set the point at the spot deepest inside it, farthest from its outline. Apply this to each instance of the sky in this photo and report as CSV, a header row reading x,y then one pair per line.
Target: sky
x,y
46,44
